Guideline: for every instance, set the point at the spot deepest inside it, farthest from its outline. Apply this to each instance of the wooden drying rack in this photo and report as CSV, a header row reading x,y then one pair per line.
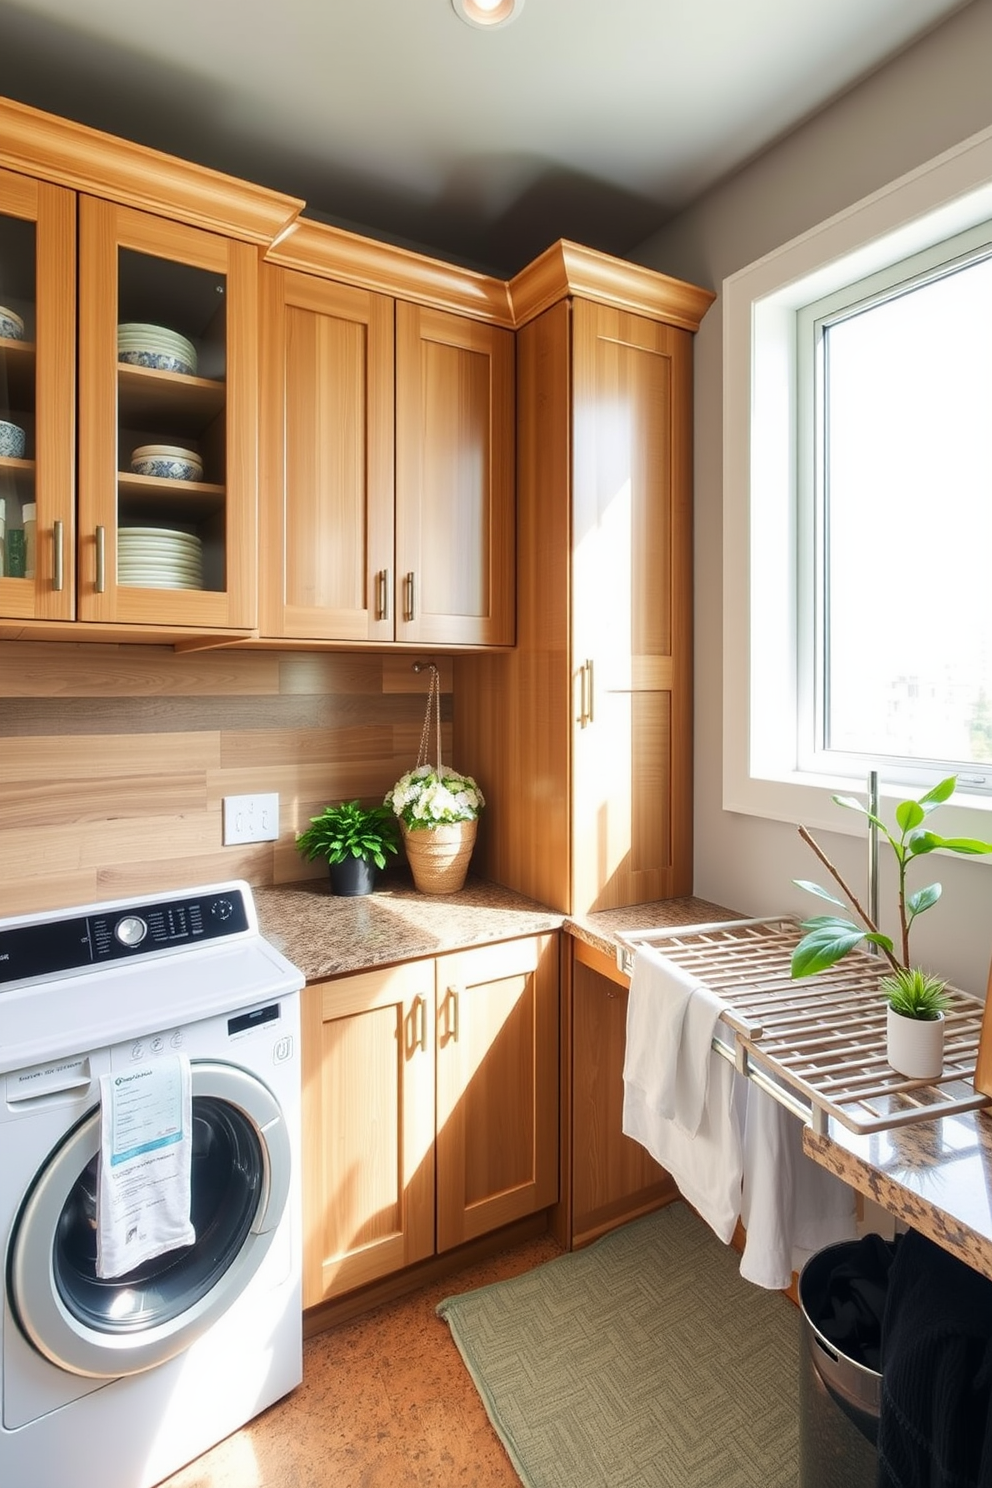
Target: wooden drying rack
x,y
816,1044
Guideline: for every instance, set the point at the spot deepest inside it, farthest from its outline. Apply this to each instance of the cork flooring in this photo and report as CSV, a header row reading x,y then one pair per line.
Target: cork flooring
x,y
386,1402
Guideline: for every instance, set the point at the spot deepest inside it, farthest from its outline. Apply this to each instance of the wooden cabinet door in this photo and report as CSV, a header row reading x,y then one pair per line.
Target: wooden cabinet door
x,y
613,1178
631,609
138,268
454,479
326,558
368,1127
38,391
497,1086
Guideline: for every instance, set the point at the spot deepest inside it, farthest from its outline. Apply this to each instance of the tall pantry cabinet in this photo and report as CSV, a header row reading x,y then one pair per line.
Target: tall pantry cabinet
x,y
583,734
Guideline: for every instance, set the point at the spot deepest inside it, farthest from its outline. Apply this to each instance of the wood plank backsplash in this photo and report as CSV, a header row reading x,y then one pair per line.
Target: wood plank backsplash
x,y
114,760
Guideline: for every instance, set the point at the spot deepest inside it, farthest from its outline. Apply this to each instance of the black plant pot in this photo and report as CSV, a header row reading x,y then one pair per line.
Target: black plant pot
x,y
352,877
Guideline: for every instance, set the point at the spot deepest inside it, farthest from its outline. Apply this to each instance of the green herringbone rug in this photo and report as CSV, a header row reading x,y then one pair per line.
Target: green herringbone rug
x,y
644,1361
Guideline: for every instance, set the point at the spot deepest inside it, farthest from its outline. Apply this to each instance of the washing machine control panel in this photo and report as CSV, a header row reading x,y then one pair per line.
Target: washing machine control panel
x,y
54,947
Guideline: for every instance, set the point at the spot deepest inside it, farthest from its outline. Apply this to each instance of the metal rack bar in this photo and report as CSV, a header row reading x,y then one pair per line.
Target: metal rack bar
x,y
815,1044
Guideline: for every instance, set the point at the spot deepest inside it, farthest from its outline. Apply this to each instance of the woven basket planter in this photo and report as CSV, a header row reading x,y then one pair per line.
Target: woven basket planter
x,y
439,857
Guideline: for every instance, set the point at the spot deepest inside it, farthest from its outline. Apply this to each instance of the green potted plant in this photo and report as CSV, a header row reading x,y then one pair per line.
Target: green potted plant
x,y
354,839
437,810
916,1000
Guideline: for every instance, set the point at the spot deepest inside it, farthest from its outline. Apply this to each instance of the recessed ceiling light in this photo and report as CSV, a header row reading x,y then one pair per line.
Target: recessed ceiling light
x,y
487,12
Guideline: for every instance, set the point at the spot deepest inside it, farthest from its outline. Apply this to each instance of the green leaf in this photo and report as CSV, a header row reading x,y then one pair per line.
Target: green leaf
x,y
922,899
814,888
853,804
919,843
827,943
939,794
969,845
909,814
877,938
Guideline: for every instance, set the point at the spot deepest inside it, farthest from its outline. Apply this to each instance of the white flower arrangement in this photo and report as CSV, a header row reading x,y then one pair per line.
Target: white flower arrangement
x,y
425,797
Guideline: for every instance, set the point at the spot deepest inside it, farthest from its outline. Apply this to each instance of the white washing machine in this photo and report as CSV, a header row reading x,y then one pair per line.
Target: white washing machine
x,y
118,1383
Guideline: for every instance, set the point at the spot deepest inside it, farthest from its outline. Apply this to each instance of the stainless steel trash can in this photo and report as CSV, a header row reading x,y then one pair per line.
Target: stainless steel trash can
x,y
839,1397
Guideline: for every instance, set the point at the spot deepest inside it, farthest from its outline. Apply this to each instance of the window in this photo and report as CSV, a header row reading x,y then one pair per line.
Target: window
x,y
857,543
894,489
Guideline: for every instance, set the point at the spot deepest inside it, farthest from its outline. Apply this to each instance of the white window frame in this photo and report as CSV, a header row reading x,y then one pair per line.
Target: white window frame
x,y
939,200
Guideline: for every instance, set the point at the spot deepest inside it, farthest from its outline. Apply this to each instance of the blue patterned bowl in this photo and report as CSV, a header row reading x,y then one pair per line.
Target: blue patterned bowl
x,y
167,462
11,324
12,440
161,361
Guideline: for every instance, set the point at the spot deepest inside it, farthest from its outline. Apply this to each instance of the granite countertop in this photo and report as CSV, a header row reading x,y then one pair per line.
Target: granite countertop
x,y
601,928
936,1176
328,935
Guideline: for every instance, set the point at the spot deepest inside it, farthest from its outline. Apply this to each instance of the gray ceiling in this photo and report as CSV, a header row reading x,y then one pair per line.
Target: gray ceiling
x,y
588,119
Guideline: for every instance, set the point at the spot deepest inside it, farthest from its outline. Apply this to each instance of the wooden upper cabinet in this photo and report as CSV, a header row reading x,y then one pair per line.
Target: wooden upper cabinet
x,y
38,395
364,539
326,516
631,608
96,231
454,479
137,268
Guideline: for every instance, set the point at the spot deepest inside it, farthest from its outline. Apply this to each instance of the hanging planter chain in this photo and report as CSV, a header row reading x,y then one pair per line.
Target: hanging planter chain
x,y
433,697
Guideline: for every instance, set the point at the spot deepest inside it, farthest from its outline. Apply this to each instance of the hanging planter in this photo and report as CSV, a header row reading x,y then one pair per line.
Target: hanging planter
x,y
439,857
438,810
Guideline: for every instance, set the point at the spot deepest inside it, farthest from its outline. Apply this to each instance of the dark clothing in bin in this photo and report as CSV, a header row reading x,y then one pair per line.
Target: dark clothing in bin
x,y
846,1298
935,1419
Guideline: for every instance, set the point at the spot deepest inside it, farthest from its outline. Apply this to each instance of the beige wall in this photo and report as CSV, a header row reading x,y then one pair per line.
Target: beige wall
x,y
114,760
930,98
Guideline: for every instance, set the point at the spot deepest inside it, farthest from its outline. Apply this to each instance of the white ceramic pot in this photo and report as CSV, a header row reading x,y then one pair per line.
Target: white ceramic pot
x,y
915,1046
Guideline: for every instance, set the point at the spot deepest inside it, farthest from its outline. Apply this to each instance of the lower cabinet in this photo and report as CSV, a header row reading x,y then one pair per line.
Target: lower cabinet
x,y
609,1177
430,1108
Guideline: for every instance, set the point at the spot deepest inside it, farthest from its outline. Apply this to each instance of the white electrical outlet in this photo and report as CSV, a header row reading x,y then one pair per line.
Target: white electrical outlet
x,y
251,819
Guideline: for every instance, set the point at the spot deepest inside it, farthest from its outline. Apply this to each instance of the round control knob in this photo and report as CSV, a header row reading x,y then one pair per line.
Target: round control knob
x,y
131,930
222,909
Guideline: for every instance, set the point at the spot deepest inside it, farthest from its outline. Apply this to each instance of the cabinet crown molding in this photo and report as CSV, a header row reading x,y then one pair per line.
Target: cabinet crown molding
x,y
313,247
569,269
69,154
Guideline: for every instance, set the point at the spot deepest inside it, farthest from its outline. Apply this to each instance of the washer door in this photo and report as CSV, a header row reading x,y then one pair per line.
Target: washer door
x,y
123,1325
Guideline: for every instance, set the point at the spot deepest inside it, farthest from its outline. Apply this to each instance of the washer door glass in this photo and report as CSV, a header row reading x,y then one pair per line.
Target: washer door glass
x,y
226,1182
124,1324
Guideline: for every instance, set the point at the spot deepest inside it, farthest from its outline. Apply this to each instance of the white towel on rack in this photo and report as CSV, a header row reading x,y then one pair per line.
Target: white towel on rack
x,y
678,1092
146,1147
790,1206
671,1017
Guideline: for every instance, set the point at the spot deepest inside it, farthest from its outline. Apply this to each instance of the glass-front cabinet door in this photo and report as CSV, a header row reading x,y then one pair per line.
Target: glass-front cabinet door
x,y
37,399
167,400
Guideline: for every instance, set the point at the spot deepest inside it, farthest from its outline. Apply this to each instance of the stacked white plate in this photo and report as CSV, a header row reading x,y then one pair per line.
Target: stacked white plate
x,y
159,558
155,346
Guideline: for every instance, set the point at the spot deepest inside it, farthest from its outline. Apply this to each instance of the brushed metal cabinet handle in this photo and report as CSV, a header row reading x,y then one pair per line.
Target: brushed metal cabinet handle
x,y
58,556
585,694
382,594
101,560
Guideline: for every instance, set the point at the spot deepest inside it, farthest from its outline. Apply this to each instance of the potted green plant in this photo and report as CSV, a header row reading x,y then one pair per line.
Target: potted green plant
x,y
355,840
437,810
916,1000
